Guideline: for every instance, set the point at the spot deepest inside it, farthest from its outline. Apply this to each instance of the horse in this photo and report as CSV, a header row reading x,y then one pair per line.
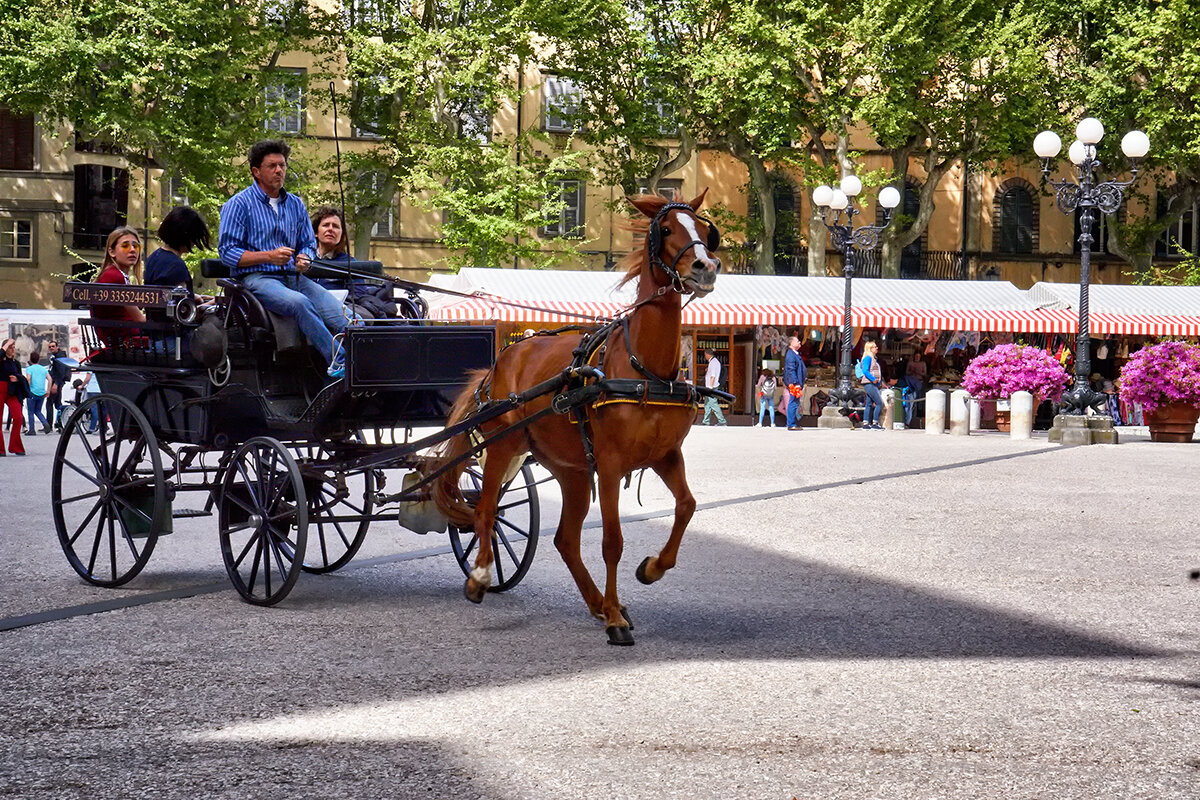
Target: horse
x,y
675,258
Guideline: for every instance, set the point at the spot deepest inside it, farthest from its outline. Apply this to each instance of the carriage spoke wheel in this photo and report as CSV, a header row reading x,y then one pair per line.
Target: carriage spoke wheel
x,y
339,510
263,515
514,533
108,492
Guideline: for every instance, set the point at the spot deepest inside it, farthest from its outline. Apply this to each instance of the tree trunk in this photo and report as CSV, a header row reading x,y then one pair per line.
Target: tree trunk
x,y
817,236
760,183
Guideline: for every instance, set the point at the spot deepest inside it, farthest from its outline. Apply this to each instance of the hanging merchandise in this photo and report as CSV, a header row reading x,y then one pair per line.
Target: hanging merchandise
x,y
962,340
770,338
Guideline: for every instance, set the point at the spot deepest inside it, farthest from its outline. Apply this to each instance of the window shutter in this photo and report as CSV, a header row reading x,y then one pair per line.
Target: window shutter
x,y
16,140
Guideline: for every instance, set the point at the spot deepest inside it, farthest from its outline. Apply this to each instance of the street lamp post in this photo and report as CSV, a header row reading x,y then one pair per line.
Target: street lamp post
x,y
833,203
1081,191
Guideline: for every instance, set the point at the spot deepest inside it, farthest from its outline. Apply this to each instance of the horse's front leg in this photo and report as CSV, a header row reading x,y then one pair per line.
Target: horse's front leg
x,y
671,470
616,623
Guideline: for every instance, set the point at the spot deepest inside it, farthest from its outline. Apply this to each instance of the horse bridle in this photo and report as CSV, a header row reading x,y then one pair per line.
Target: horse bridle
x,y
655,242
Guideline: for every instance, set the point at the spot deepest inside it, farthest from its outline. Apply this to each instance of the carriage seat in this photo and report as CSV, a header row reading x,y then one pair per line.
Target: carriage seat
x,y
284,332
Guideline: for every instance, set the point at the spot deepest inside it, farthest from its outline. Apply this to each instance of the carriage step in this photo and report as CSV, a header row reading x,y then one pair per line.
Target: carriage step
x,y
183,513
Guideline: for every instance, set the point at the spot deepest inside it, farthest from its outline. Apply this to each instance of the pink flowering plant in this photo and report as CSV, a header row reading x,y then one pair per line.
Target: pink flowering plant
x,y
1162,374
1009,368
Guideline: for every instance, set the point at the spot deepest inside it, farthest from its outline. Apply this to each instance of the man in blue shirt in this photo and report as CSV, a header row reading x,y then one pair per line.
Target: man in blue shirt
x,y
267,241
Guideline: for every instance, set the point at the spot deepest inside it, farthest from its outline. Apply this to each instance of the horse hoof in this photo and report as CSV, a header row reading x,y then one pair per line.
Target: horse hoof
x,y
474,594
619,635
640,572
625,614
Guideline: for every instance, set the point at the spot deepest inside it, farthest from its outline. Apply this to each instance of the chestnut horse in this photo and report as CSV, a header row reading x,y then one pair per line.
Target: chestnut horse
x,y
675,258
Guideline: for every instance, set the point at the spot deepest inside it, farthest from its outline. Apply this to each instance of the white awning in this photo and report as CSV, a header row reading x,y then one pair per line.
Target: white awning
x,y
1115,309
747,300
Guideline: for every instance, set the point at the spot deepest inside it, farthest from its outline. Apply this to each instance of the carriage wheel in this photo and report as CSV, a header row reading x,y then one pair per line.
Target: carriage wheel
x,y
263,515
514,534
339,510
108,492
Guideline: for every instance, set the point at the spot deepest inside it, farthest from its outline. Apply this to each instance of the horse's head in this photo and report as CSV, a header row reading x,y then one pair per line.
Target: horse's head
x,y
680,244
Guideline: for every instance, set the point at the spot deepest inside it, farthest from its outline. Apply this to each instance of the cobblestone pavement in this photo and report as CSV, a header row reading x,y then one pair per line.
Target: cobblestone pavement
x,y
854,615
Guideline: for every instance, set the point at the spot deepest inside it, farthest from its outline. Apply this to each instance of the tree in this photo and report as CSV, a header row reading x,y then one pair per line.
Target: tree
x,y
178,85
426,80
951,81
1134,64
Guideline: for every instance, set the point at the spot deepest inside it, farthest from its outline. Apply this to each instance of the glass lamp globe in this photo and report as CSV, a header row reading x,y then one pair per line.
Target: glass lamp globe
x,y
822,195
1135,144
1077,152
839,200
851,185
1047,144
889,197
1089,131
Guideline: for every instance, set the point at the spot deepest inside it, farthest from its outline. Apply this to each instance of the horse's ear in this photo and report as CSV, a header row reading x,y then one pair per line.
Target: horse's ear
x,y
698,201
648,204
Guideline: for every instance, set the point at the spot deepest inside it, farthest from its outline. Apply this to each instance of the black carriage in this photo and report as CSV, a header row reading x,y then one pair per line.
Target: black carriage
x,y
293,465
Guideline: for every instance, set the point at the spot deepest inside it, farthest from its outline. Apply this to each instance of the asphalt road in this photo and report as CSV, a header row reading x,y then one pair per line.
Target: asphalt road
x,y
854,615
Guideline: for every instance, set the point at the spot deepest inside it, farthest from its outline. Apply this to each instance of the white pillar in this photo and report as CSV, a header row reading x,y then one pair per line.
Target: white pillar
x,y
1021,415
935,412
960,420
974,414
886,414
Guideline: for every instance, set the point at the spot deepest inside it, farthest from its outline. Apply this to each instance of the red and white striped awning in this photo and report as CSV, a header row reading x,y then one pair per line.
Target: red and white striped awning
x,y
558,296
1119,310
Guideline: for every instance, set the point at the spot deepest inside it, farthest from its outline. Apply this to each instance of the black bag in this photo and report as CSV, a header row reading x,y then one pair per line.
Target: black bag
x,y
19,388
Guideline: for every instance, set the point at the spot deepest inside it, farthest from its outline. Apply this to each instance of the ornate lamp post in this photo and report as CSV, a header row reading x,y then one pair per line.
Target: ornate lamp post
x,y
1082,191
833,203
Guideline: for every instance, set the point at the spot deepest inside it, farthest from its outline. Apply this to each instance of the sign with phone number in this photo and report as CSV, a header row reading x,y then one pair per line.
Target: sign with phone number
x,y
113,294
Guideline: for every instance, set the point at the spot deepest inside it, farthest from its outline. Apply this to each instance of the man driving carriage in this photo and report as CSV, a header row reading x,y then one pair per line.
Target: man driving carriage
x,y
266,240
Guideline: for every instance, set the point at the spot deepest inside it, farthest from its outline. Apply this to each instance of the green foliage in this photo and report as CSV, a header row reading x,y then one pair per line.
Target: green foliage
x,y
183,82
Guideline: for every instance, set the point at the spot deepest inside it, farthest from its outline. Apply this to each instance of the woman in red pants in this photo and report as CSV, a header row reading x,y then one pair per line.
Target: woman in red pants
x,y
11,393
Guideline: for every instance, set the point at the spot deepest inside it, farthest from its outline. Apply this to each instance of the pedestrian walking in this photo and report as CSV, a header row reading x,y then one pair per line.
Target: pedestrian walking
x,y
39,383
60,378
767,383
12,392
872,378
794,376
712,379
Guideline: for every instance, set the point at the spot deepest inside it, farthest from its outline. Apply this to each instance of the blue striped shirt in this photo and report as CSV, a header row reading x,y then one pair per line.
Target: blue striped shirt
x,y
249,223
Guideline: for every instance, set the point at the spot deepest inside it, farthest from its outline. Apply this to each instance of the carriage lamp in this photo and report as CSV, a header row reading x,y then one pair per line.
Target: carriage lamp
x,y
837,213
1081,191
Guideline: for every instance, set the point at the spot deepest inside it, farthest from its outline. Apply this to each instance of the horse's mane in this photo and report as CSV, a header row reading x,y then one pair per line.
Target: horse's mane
x,y
639,226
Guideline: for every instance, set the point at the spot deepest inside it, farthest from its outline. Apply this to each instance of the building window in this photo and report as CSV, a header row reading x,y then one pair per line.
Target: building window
x,y
1016,221
384,209
670,188
16,140
101,204
285,102
568,221
475,123
1183,233
560,102
174,193
1099,231
368,107
16,239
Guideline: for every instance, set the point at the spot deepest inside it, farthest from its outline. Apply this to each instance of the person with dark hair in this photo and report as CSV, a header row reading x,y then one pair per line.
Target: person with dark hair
x,y
267,242
60,375
181,231
368,300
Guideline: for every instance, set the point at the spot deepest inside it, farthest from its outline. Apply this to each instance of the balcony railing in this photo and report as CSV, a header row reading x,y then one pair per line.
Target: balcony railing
x,y
935,265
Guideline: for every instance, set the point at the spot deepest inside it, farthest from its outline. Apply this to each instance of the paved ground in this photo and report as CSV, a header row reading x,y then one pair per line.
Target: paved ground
x,y
855,614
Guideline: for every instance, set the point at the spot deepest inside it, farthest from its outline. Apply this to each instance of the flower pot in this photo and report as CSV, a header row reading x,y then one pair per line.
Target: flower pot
x,y
1003,420
1175,422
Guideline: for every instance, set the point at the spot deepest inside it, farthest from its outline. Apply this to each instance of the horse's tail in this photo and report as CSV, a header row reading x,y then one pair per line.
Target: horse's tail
x,y
446,494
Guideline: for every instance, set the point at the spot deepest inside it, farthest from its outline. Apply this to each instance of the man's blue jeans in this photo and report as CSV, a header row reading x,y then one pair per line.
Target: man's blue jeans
x,y
793,412
318,313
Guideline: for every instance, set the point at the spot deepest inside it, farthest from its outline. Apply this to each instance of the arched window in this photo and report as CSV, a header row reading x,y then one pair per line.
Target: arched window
x,y
1016,221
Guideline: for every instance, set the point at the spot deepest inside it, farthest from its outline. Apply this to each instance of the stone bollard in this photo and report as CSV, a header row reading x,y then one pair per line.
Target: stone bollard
x,y
974,414
935,412
887,413
1020,415
960,415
